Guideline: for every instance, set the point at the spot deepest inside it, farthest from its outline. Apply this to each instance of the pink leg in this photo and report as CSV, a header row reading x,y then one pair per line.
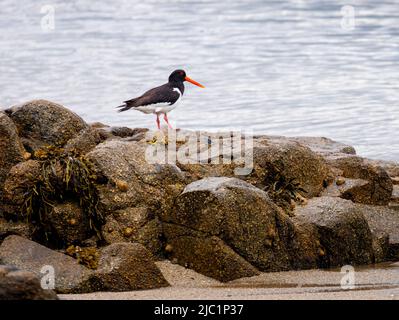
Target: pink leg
x,y
158,122
165,117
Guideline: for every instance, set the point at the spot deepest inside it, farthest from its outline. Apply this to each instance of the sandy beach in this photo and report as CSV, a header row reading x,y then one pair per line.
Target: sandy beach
x,y
378,282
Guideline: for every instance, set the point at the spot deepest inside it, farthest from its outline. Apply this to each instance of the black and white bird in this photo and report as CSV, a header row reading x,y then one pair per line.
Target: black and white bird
x,y
162,99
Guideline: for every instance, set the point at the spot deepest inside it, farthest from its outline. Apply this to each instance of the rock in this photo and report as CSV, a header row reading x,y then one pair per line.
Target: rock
x,y
134,225
381,247
70,277
138,134
116,161
98,125
395,194
151,236
270,154
68,223
343,230
124,132
206,254
241,216
11,150
42,123
84,142
344,162
325,147
391,167
292,161
21,178
8,228
128,266
22,285
349,188
305,249
379,188
384,222
195,154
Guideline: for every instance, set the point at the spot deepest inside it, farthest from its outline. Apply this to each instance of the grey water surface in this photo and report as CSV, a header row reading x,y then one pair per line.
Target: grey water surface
x,y
275,67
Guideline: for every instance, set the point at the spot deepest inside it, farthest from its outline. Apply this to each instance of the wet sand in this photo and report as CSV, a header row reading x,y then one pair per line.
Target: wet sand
x,y
371,282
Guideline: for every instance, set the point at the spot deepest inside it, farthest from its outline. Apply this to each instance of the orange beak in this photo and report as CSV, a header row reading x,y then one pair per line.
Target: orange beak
x,y
194,82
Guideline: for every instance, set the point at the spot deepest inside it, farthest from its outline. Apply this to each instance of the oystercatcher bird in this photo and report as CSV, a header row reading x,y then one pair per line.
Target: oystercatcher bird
x,y
162,99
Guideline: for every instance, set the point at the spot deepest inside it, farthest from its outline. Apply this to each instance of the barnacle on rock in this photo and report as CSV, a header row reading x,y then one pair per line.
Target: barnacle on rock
x,y
122,185
127,232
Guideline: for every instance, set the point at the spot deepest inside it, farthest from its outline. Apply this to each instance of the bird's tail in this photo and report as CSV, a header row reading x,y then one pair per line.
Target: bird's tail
x,y
123,107
127,105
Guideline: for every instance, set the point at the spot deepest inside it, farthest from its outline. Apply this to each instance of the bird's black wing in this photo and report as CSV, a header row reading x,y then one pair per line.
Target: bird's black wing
x,y
161,94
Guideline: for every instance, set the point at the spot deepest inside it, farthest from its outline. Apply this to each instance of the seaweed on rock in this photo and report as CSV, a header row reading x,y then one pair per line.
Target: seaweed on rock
x,y
63,176
281,189
86,256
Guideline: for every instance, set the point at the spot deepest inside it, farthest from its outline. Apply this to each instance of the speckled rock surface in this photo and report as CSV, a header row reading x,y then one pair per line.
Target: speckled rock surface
x,y
343,230
22,285
379,188
128,266
243,218
206,254
41,123
11,150
70,277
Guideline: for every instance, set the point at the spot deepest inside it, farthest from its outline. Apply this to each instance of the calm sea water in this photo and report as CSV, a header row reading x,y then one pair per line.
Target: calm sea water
x,y
274,67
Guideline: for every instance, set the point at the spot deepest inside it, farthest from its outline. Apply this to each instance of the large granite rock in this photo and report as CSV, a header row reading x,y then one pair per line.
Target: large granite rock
x,y
237,215
130,184
41,123
343,230
129,178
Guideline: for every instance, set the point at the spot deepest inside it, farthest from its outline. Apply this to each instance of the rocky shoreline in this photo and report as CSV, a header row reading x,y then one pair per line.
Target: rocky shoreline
x,y
84,200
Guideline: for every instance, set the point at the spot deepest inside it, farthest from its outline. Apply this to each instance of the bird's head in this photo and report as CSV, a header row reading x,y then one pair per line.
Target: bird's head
x,y
180,76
